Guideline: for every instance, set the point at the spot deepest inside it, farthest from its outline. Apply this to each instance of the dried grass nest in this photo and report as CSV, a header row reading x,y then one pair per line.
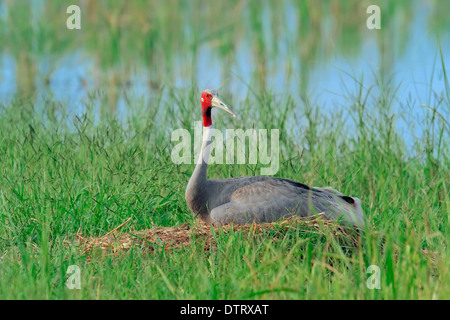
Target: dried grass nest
x,y
169,238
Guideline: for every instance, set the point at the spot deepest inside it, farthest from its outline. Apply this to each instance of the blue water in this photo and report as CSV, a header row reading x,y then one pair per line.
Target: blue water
x,y
416,70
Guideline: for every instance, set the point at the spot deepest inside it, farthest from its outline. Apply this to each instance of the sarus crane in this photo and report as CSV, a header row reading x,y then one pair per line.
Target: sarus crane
x,y
259,199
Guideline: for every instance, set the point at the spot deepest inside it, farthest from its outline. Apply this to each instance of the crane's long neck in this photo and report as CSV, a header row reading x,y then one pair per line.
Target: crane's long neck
x,y
197,192
199,175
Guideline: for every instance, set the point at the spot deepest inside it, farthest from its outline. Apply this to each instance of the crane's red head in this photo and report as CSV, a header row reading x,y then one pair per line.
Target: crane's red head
x,y
209,100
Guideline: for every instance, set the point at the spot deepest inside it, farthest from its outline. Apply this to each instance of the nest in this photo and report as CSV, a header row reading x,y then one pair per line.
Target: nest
x,y
170,238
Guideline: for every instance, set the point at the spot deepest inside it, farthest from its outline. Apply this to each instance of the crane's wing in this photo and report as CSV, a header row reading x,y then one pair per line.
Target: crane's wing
x,y
265,201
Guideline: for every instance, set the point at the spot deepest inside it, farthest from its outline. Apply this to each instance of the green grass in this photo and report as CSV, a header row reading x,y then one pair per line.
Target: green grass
x,y
60,176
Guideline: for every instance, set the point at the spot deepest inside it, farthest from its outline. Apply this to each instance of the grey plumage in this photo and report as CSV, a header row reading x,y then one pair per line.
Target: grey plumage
x,y
266,199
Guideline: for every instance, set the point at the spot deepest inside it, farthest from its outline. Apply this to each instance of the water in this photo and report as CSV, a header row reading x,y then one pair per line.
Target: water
x,y
408,60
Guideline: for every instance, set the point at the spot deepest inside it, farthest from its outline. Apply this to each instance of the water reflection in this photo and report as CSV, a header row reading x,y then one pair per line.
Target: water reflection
x,y
292,47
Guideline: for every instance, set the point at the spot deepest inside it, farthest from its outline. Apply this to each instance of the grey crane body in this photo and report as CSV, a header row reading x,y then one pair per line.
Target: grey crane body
x,y
267,199
259,199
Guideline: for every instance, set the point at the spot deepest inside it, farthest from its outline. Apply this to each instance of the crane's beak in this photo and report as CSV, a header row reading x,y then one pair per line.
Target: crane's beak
x,y
216,102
